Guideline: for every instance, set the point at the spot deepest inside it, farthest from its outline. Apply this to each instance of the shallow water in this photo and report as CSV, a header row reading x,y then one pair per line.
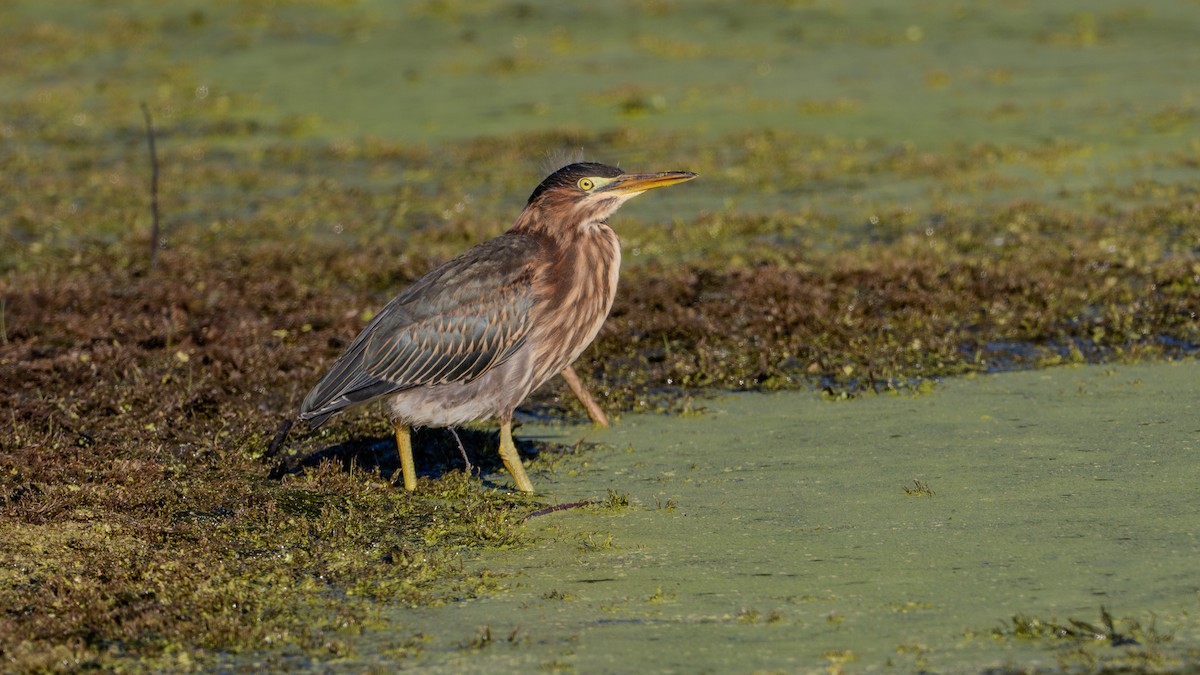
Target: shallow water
x,y
1101,90
773,532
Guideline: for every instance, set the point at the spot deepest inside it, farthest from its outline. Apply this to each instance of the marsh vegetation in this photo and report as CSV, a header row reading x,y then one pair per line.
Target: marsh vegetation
x,y
888,196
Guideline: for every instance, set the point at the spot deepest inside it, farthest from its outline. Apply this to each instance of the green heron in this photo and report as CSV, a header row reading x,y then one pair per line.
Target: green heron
x,y
472,338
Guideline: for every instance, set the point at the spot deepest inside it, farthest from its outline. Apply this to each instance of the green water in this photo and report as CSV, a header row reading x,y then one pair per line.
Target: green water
x,y
432,71
774,533
1095,95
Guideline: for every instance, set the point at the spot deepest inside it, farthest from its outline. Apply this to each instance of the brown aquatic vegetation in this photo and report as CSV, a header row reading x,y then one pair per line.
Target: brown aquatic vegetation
x,y
919,489
134,500
1121,645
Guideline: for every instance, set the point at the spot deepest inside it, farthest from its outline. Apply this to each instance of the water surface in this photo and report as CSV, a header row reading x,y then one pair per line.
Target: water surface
x,y
773,532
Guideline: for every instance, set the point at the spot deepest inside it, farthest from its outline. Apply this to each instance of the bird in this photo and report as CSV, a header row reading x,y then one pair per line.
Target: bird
x,y
473,337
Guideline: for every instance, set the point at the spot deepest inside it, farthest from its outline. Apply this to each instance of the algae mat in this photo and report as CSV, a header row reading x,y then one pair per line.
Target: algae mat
x,y
774,533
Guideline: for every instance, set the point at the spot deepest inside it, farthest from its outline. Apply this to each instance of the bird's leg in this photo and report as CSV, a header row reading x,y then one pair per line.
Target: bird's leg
x,y
512,461
404,447
585,397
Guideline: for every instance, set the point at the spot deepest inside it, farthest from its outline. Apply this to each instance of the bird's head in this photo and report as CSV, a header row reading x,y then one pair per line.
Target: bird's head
x,y
586,193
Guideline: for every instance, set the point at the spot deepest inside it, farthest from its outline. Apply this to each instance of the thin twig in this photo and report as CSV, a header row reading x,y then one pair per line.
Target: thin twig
x,y
462,450
3,321
558,507
153,185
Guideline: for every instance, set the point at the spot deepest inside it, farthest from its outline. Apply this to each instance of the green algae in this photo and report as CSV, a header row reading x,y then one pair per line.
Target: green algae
x,y
873,106
402,70
1061,494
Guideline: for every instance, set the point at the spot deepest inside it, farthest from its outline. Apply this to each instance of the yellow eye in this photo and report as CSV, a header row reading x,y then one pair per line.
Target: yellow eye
x,y
586,184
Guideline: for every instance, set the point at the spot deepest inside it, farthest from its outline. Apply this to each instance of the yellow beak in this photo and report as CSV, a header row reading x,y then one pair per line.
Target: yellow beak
x,y
633,183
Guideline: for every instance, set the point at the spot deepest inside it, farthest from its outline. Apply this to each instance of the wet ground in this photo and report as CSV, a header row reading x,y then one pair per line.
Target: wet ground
x,y
888,196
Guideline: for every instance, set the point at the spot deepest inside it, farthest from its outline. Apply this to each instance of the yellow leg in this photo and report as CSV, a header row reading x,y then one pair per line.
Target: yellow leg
x,y
512,461
585,397
404,446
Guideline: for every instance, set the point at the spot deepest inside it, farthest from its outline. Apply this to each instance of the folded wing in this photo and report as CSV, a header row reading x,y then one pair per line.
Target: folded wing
x,y
455,324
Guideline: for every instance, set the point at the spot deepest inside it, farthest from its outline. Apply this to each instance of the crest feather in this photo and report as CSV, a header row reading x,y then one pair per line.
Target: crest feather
x,y
557,159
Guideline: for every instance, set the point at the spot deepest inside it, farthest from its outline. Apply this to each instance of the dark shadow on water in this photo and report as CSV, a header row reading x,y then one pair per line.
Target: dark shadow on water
x,y
435,452
1011,355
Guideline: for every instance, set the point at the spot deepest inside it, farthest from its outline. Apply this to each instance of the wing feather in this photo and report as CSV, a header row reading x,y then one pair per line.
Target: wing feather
x,y
453,325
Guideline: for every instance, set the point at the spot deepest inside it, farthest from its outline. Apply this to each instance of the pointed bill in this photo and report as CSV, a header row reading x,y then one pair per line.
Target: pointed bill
x,y
633,183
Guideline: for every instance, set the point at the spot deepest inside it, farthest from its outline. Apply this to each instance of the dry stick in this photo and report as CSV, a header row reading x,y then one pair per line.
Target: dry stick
x,y
559,507
462,450
153,185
